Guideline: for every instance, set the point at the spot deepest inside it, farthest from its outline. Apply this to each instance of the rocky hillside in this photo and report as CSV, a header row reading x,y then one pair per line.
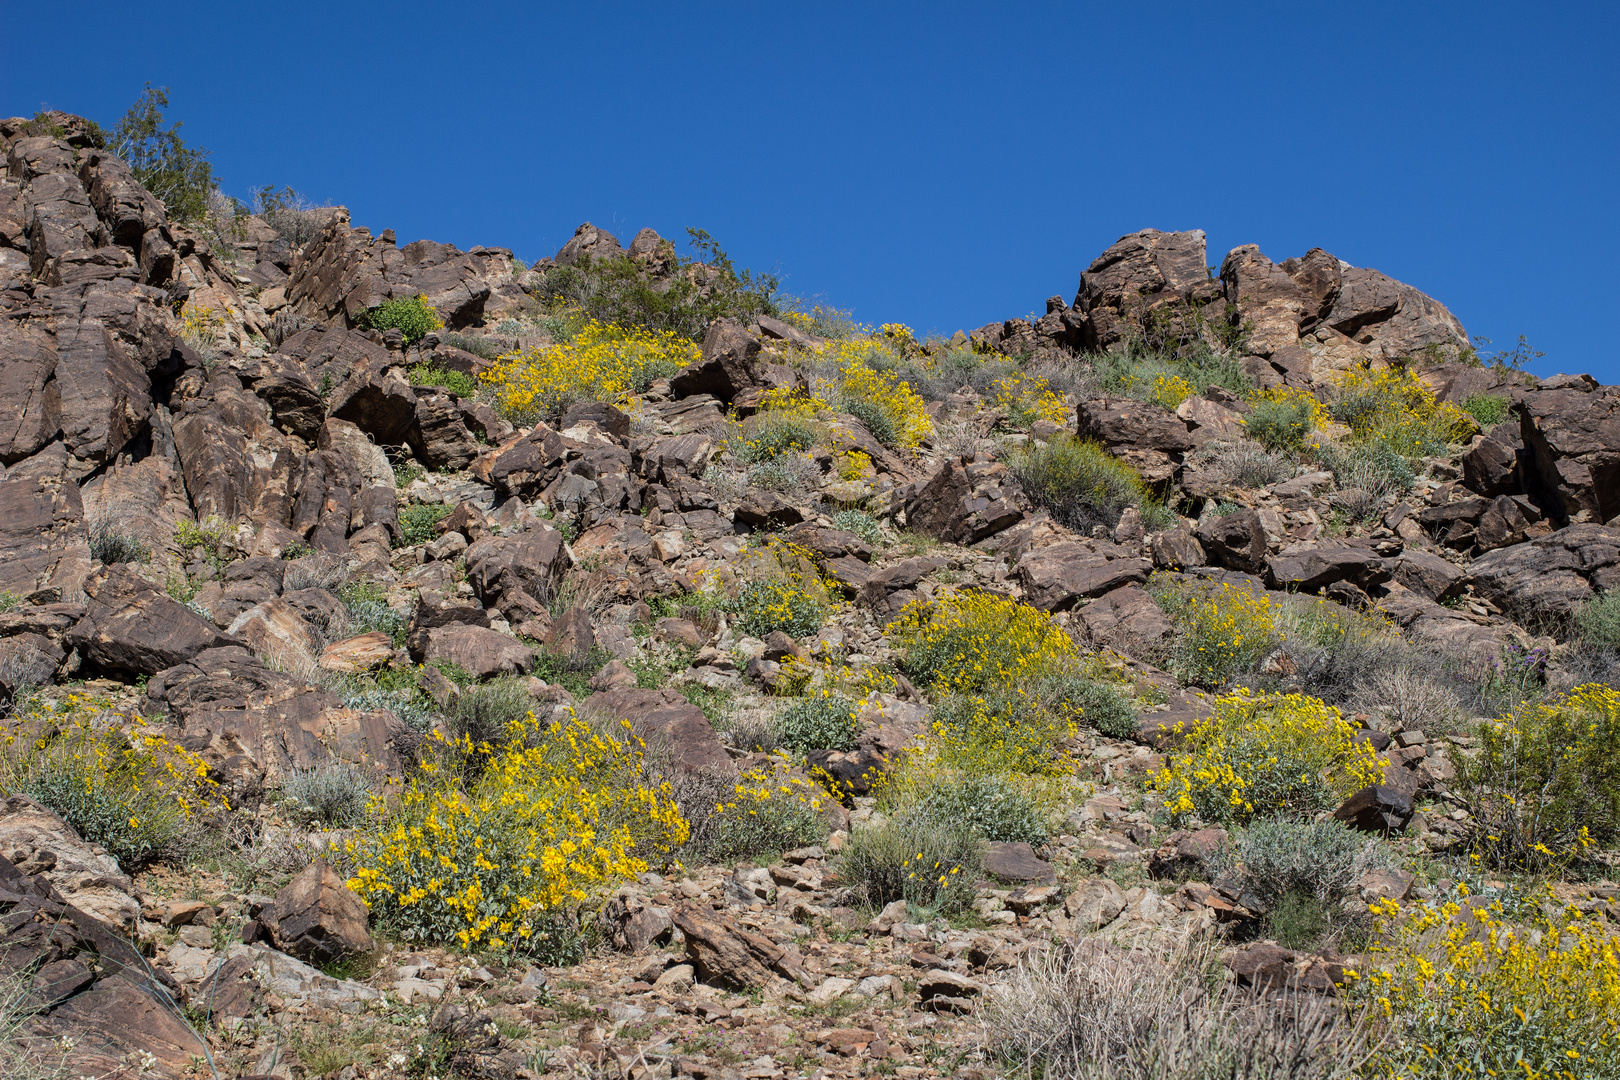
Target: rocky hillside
x,y
416,663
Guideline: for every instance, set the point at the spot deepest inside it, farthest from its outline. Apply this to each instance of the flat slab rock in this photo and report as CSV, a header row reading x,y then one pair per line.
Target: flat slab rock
x,y
1017,864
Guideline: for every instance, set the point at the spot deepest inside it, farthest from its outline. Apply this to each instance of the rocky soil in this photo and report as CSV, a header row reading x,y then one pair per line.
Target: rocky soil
x,y
304,440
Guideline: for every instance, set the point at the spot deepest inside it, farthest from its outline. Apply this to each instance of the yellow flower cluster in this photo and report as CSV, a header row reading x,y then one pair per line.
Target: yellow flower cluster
x,y
877,396
854,465
1028,398
485,843
781,588
1265,754
199,324
1466,991
602,363
995,736
1170,390
1320,417
1221,630
972,642
1394,408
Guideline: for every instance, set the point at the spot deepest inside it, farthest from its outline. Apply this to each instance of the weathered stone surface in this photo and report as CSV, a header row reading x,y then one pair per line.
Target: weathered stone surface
x,y
363,652
725,954
730,364
1175,549
1309,568
1130,276
130,627
278,633
1016,864
1268,300
588,242
480,651
1055,577
36,841
1095,904
518,573
961,503
43,543
1376,809
667,718
1126,618
344,271
318,918
1428,574
1573,439
1551,576
1133,425
1183,853
1237,540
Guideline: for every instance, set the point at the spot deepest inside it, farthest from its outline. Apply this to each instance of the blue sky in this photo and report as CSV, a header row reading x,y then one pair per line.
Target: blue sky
x,y
940,164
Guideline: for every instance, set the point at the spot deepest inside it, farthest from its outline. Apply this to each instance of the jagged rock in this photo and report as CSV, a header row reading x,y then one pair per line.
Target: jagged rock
x,y
318,918
1055,577
1549,577
766,510
1268,300
1573,439
1377,809
940,990
1016,864
830,543
725,954
666,718
961,503
589,242
518,574
438,435
1499,464
526,465
891,588
1389,319
730,364
632,924
36,841
278,633
1184,853
344,271
1127,618
1095,904
481,652
1308,568
1428,574
130,627
571,634
1136,273
1175,549
1132,426
43,543
1237,540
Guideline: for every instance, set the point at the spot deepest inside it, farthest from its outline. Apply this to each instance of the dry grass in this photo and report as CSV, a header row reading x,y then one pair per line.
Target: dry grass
x,y
1098,1012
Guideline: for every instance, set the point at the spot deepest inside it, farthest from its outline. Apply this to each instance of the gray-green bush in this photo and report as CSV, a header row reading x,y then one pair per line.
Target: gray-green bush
x,y
1081,484
818,722
929,863
333,793
988,805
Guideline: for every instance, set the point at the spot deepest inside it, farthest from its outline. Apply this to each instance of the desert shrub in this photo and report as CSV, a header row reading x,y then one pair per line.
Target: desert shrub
x,y
207,534
773,475
1412,700
1265,754
927,862
603,362
365,694
1279,419
1098,705
457,382
775,434
860,523
416,522
1323,859
1394,410
1545,784
199,328
558,811
694,292
1244,464
821,721
1081,484
1369,467
758,816
365,607
318,570
9,601
860,378
1094,1011
483,711
1145,372
995,733
1598,620
1468,991
293,217
1488,409
333,793
112,778
1222,630
179,175
479,344
110,543
412,316
970,642
1025,398
990,806
781,590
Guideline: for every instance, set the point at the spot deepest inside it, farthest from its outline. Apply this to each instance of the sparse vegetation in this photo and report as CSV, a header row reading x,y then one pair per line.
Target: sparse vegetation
x,y
412,316
1081,484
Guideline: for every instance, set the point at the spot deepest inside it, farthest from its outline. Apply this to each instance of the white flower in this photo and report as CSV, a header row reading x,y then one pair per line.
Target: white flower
x,y
491,1030
397,1061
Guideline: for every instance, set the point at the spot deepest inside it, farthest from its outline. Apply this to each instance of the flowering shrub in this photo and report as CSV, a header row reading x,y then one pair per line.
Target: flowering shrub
x,y
1281,417
1545,784
860,523
413,317
1395,410
973,641
1265,754
928,862
108,775
458,383
875,395
777,433
781,590
486,845
989,805
765,812
602,363
994,734
1465,991
1027,398
1081,484
416,522
854,465
1221,630
199,325
1170,390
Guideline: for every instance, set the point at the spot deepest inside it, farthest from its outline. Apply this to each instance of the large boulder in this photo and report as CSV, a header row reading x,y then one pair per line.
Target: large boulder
x,y
730,364
1236,540
666,719
1313,567
37,841
477,650
1055,577
316,917
518,574
1550,577
1138,272
1573,438
131,628
43,542
961,503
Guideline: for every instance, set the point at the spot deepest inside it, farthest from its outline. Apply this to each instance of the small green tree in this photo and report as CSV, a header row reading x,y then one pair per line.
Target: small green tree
x,y
177,174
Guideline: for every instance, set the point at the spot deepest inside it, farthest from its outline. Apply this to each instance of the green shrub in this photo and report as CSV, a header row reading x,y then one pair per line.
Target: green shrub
x,y
771,476
134,826
1272,859
990,806
483,711
876,419
1140,370
1488,409
478,344
179,175
819,722
412,316
365,605
1222,631
458,383
974,642
1098,705
768,604
333,793
860,523
1081,484
775,435
111,544
1370,467
1281,423
1544,787
928,863
1598,620
417,520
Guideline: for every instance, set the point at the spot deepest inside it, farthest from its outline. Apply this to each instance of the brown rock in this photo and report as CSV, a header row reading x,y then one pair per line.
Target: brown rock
x,y
1016,864
1056,576
730,364
725,954
962,503
1237,540
668,718
131,627
318,918
478,650
363,652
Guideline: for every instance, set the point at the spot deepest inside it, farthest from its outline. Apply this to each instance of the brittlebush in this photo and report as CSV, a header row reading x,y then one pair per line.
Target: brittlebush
x,y
1265,754
971,642
1221,630
602,363
1467,992
556,813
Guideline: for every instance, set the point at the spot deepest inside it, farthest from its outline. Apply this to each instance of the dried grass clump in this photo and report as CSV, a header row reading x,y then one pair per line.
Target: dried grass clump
x,y
1098,1012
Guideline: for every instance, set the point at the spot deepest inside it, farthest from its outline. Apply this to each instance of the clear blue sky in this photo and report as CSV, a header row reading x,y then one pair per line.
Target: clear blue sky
x,y
937,164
